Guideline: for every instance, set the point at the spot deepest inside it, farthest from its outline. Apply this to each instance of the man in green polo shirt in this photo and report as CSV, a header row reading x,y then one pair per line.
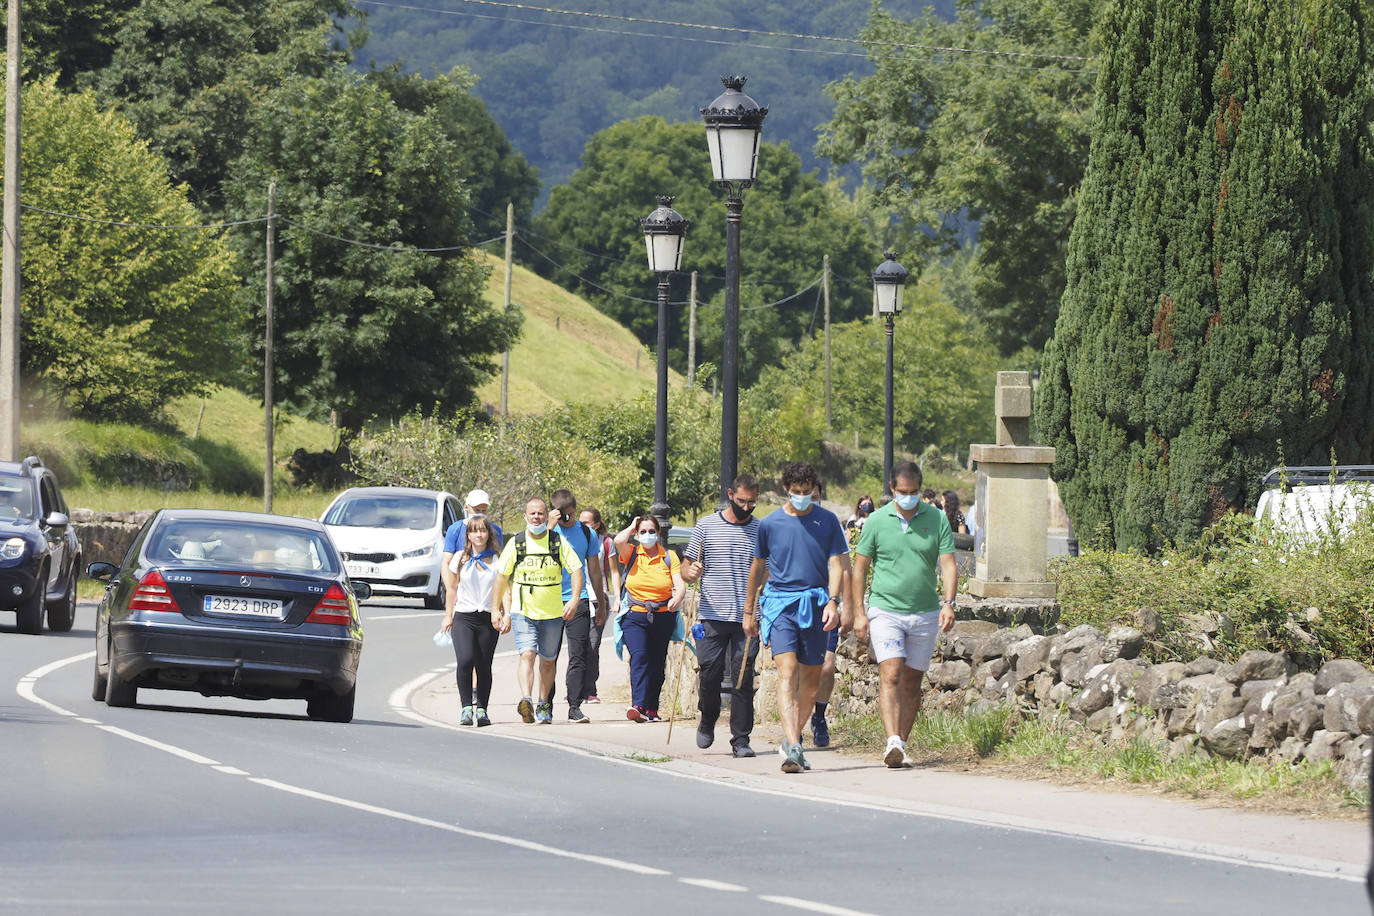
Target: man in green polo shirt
x,y
902,542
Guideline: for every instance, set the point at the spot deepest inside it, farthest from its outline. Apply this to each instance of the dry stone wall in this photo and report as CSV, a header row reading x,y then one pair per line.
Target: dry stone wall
x,y
1259,705
106,536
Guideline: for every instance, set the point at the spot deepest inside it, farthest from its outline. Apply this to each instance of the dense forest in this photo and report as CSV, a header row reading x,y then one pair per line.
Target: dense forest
x,y
553,80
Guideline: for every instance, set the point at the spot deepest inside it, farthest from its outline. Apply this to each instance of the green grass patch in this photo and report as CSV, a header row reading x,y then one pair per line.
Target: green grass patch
x,y
641,757
101,498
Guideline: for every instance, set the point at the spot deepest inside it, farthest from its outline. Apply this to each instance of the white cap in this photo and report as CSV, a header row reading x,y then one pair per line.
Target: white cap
x,y
477,498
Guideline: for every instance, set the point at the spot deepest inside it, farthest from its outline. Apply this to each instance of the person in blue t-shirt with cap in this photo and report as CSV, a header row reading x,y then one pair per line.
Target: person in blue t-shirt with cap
x,y
795,581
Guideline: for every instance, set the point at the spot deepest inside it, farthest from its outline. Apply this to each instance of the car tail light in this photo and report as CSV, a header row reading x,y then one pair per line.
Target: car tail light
x,y
152,594
333,607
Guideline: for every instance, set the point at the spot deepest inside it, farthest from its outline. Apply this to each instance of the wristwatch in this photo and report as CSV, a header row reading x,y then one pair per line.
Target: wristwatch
x,y
947,601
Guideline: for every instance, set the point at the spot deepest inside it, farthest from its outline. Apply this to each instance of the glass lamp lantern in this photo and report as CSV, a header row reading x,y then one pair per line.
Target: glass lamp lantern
x,y
664,230
888,282
733,125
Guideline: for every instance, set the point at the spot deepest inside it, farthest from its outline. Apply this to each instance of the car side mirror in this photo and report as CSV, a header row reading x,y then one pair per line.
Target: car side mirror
x,y
57,520
103,572
362,591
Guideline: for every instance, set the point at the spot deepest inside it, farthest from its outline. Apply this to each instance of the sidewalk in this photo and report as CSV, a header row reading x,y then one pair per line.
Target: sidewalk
x,y
1282,841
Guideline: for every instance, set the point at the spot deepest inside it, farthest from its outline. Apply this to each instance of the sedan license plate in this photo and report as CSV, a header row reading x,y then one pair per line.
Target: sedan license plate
x,y
246,607
361,569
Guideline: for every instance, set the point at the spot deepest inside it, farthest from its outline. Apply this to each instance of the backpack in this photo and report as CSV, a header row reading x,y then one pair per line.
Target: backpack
x,y
554,554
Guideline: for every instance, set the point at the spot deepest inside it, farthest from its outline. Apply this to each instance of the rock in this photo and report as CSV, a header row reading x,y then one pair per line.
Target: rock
x,y
1265,732
1326,745
1287,697
1215,701
1155,677
1082,630
1291,750
1108,684
1076,640
1041,686
1183,746
1338,671
1348,705
952,675
1147,621
1354,769
1307,717
1200,665
1099,720
967,637
1181,721
994,645
1060,694
1122,642
1257,689
1075,666
993,669
1031,656
1227,738
1166,696
1257,665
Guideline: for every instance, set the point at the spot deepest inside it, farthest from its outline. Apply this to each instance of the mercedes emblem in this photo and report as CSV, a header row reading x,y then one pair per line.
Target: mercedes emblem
x,y
245,581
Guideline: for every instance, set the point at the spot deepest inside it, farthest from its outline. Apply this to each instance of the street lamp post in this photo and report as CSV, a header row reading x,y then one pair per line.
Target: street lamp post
x,y
733,125
664,230
888,281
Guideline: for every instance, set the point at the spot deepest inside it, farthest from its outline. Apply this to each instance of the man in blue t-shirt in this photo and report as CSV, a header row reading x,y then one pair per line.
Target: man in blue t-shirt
x,y
578,628
802,554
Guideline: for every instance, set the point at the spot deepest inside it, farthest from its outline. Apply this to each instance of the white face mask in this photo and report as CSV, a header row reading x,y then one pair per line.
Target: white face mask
x,y
647,540
800,502
536,530
906,501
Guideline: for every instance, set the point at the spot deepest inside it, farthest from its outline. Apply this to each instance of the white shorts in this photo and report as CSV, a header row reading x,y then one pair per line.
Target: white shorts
x,y
907,636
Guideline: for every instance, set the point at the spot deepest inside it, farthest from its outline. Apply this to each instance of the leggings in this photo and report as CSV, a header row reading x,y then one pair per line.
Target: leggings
x,y
474,644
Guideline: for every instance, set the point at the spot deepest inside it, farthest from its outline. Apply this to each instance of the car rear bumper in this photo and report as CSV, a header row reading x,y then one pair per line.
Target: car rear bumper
x,y
283,664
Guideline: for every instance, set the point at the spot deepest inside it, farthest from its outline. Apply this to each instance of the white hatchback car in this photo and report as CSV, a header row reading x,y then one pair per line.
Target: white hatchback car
x,y
392,538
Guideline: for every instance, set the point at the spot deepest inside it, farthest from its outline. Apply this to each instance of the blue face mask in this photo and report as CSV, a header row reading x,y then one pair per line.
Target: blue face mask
x,y
800,503
647,540
906,501
537,530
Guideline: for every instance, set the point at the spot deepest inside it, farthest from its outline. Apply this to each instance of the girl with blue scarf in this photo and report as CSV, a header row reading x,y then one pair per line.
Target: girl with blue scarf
x,y
475,633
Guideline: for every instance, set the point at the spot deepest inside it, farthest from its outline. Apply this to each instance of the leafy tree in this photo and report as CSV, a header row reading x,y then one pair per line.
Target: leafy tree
x,y
495,173
362,331
190,73
1218,307
64,39
116,319
1000,139
589,239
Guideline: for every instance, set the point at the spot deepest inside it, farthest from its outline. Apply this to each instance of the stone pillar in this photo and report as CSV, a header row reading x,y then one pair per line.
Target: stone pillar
x,y
1013,501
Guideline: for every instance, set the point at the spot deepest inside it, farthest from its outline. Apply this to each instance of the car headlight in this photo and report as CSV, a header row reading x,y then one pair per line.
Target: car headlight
x,y
422,552
13,549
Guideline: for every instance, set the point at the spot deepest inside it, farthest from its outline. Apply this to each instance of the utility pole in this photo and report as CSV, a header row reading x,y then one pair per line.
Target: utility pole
x,y
825,289
9,308
267,341
510,266
692,335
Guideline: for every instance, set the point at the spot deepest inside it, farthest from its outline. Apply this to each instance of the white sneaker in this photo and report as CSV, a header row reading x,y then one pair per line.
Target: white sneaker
x,y
895,754
907,762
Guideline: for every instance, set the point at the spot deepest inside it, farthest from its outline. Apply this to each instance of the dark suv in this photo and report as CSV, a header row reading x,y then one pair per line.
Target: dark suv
x,y
39,553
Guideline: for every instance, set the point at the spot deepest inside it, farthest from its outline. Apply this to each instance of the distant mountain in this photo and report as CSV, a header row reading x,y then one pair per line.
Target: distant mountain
x,y
552,79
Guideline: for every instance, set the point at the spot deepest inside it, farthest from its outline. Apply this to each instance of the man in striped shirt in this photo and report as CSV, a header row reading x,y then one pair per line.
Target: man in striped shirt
x,y
718,555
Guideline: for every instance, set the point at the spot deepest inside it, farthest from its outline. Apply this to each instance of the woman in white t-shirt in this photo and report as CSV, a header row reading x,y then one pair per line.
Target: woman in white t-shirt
x,y
468,618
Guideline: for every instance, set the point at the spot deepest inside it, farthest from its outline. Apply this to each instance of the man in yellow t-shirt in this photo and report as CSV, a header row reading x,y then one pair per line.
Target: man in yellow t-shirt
x,y
534,574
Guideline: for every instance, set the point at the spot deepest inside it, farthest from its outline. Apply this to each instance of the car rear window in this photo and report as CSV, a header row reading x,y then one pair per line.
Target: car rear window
x,y
238,544
16,497
417,513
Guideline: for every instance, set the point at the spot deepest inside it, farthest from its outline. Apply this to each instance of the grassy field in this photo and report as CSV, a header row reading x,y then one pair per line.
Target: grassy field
x,y
235,418
568,350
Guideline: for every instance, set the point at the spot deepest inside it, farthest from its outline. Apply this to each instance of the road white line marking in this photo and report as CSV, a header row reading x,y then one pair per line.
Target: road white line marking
x,y
230,771
1209,852
159,745
85,721
812,906
463,831
713,885
25,686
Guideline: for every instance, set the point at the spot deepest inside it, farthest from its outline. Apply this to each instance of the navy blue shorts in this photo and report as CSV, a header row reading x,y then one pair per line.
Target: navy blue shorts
x,y
832,641
809,644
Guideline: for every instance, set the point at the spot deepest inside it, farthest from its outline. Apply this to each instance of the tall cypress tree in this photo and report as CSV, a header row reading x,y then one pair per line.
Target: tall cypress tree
x,y
1219,307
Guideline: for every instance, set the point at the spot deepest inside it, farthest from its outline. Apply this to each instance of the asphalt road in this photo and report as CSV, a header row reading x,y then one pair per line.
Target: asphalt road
x,y
211,805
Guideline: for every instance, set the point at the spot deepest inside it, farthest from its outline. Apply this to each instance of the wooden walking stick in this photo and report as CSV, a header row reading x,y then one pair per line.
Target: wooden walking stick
x,y
688,621
744,663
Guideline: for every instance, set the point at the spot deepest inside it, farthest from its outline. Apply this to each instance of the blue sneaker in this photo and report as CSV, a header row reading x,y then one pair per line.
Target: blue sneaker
x,y
466,717
792,759
543,714
820,731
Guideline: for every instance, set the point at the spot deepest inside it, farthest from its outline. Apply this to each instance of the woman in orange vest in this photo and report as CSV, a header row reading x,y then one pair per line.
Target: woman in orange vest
x,y
653,591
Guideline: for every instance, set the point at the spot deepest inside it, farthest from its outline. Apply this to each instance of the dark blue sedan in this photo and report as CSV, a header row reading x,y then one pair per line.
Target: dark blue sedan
x,y
230,604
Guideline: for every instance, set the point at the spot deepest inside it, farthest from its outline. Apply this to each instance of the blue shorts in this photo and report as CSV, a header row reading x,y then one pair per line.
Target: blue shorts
x,y
809,644
542,636
832,641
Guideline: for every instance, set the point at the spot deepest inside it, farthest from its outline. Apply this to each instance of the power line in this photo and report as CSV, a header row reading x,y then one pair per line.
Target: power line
x,y
743,44
394,247
904,45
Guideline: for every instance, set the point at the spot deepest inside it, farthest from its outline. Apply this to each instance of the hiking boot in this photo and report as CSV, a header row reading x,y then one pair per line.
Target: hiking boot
x,y
895,753
465,718
705,738
575,714
482,717
820,732
635,714
793,762
543,714
742,750
526,709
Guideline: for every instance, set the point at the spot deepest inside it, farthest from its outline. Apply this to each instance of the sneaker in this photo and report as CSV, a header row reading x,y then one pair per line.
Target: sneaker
x,y
801,755
482,717
635,714
465,718
591,699
793,762
526,709
651,715
575,714
907,762
895,752
743,750
543,714
705,738
820,732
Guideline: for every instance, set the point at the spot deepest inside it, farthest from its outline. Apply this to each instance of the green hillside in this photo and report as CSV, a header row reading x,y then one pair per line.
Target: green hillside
x,y
568,351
